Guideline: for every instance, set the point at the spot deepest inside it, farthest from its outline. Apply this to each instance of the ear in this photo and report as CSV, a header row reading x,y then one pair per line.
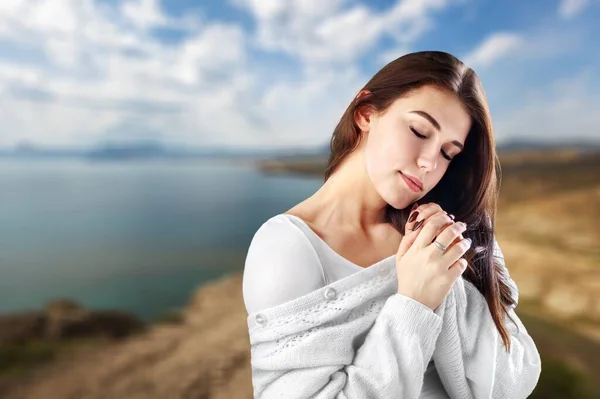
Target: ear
x,y
363,117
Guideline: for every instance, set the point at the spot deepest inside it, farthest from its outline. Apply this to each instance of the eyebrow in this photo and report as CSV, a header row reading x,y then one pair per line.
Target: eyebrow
x,y
435,124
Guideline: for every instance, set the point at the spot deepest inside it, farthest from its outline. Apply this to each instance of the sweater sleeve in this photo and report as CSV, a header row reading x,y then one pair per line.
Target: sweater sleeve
x,y
471,347
281,265
344,357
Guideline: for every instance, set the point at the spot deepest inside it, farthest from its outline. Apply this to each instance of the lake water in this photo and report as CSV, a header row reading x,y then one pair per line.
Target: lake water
x,y
135,236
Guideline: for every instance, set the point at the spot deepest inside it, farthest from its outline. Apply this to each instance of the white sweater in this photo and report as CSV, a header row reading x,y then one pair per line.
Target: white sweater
x,y
319,332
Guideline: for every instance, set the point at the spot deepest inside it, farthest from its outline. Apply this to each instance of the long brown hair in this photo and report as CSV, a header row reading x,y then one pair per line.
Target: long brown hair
x,y
469,188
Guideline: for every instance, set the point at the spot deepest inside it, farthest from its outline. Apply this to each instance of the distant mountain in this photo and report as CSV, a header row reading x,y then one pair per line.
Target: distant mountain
x,y
525,145
155,150
149,150
38,152
510,146
130,151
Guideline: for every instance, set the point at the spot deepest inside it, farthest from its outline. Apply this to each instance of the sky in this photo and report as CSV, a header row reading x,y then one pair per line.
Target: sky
x,y
270,74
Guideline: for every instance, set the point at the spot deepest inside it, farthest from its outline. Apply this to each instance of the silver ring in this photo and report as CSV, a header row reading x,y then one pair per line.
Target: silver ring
x,y
440,246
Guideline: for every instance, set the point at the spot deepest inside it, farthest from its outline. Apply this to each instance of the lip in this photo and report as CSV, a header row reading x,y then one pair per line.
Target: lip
x,y
413,183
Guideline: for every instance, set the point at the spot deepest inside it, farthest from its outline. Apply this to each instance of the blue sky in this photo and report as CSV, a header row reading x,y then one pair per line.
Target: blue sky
x,y
274,73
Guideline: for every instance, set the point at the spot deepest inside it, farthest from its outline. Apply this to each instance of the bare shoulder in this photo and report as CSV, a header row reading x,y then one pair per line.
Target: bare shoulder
x,y
309,214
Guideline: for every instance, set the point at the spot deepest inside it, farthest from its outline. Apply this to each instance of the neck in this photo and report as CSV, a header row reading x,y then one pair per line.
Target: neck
x,y
348,197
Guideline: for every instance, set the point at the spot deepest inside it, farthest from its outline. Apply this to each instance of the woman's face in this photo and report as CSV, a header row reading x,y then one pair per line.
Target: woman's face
x,y
417,136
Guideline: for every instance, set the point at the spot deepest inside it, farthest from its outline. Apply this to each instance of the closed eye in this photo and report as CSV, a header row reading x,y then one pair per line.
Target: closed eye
x,y
419,135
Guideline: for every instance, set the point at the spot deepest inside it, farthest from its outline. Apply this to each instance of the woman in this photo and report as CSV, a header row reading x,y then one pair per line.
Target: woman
x,y
356,291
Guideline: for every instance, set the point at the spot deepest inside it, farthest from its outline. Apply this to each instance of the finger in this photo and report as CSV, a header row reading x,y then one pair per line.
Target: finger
x,y
430,228
457,268
410,234
422,212
412,215
455,252
406,242
421,215
448,234
456,240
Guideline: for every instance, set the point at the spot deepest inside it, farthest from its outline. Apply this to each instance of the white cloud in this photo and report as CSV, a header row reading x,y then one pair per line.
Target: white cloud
x,y
304,113
327,38
19,74
94,71
104,71
145,13
570,8
391,54
409,19
493,48
332,32
104,68
562,110
207,53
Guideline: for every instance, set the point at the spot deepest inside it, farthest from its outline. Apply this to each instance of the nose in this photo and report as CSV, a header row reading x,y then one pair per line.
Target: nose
x,y
427,161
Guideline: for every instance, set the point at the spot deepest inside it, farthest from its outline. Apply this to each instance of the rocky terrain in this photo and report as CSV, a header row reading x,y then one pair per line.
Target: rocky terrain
x,y
205,355
547,228
64,319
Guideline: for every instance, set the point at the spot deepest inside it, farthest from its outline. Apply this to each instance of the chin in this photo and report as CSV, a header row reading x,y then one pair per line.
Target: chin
x,y
398,197
399,201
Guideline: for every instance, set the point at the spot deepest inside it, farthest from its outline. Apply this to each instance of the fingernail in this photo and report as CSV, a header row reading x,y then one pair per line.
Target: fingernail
x,y
413,216
451,216
418,224
470,241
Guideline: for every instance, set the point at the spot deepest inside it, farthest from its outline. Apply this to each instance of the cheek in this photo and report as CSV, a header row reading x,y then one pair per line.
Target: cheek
x,y
382,157
397,147
408,146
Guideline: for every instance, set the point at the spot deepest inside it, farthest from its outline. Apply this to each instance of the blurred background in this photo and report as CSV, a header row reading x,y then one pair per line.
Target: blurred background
x,y
143,143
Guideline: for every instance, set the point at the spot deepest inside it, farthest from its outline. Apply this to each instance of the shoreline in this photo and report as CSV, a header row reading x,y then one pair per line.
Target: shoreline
x,y
315,166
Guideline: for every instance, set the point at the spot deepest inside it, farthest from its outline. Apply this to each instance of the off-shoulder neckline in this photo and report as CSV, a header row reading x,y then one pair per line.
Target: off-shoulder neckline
x,y
334,252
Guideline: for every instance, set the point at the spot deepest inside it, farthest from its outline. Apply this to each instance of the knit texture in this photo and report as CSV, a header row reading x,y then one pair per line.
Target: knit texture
x,y
358,338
